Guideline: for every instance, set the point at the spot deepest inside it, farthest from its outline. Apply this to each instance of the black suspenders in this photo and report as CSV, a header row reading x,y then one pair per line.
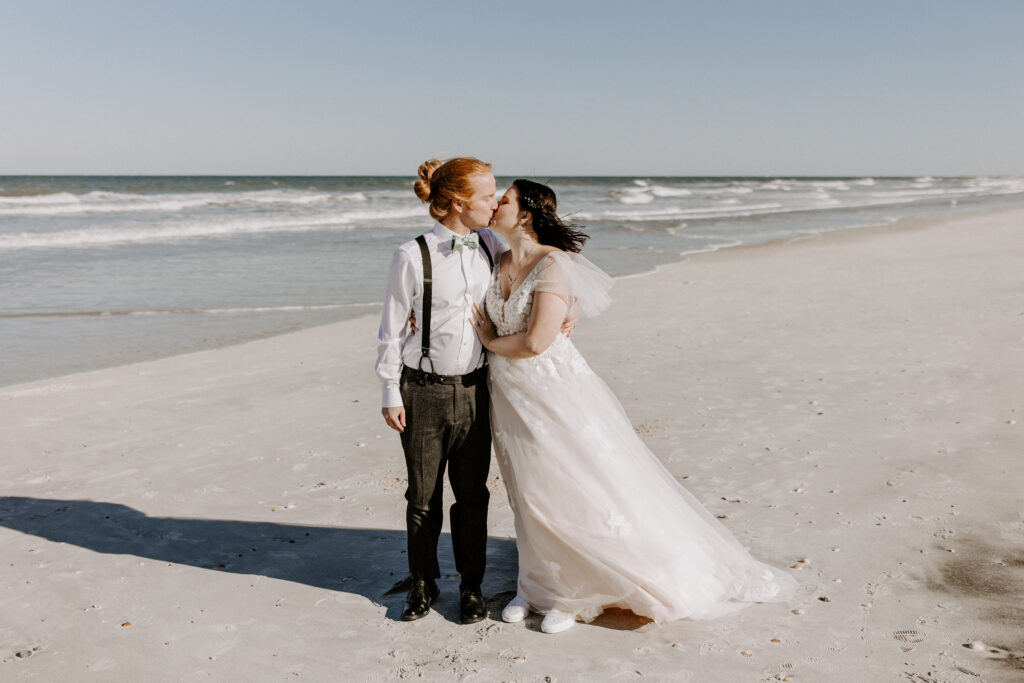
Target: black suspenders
x,y
428,291
487,253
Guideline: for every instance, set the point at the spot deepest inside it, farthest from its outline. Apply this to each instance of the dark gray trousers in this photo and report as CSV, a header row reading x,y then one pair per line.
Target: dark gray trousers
x,y
447,425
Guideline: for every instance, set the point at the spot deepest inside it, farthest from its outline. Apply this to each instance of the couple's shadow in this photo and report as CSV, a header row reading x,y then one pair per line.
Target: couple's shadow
x,y
367,562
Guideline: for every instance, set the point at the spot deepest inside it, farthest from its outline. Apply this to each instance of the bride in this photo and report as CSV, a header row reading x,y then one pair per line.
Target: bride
x,y
599,520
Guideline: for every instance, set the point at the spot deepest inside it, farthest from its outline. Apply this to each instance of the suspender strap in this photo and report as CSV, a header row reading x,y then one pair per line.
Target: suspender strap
x,y
487,251
490,261
428,295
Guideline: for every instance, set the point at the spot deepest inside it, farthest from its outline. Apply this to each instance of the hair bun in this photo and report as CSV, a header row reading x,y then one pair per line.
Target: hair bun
x,y
422,186
440,183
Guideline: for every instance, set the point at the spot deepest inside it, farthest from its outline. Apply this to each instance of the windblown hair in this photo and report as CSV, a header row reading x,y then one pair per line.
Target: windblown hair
x,y
539,200
441,183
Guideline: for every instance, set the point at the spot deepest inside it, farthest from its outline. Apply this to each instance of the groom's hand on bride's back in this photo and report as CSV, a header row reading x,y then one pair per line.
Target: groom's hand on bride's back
x,y
395,417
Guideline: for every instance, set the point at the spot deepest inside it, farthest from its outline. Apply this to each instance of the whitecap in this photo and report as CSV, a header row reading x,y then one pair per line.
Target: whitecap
x,y
726,190
39,199
662,191
782,185
632,195
221,228
672,212
830,184
101,201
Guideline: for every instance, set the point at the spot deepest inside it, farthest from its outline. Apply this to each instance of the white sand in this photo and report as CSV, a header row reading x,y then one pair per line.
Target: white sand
x,y
853,400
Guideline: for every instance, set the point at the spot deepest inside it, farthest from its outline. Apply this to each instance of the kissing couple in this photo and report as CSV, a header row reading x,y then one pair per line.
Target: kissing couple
x,y
599,521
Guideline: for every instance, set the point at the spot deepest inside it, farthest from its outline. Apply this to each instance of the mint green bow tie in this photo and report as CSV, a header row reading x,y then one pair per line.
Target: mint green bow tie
x,y
472,240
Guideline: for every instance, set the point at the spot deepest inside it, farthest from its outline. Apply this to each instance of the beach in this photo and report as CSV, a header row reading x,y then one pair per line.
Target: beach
x,y
849,403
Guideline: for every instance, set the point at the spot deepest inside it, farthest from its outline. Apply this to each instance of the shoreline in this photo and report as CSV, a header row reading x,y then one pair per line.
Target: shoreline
x,y
915,222
918,221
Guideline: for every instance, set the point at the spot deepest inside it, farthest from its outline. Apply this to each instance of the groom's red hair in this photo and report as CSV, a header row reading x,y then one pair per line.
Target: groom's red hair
x,y
440,183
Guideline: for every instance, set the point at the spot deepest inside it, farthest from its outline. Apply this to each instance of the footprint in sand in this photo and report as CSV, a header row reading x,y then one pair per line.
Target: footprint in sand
x,y
877,588
873,590
908,635
487,631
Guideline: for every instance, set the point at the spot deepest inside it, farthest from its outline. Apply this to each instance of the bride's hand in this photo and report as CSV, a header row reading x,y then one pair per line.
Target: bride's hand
x,y
483,326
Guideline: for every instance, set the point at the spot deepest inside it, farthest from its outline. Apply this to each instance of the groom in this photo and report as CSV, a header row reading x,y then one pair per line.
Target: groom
x,y
435,378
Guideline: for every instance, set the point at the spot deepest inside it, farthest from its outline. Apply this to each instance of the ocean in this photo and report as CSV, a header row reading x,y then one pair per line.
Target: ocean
x,y
108,270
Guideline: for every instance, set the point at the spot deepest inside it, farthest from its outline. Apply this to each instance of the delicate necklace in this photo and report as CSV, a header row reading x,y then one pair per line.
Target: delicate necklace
x,y
512,280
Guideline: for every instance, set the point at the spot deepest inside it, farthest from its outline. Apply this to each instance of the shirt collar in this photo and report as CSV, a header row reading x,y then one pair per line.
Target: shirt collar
x,y
444,235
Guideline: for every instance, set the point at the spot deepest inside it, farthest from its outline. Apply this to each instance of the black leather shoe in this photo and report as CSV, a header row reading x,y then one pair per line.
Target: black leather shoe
x,y
472,605
421,595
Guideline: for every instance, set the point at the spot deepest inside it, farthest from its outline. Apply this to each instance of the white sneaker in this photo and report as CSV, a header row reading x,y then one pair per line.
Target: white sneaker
x,y
556,622
515,610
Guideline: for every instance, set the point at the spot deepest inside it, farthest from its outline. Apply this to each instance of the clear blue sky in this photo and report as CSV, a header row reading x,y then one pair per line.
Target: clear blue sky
x,y
546,88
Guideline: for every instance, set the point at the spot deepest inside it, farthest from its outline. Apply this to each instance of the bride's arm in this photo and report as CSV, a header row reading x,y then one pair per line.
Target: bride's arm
x,y
545,323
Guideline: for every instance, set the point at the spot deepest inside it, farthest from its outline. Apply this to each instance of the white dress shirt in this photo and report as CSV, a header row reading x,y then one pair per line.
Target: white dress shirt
x,y
460,279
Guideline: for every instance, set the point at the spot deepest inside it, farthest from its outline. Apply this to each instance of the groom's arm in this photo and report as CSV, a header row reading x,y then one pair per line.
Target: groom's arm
x,y
393,331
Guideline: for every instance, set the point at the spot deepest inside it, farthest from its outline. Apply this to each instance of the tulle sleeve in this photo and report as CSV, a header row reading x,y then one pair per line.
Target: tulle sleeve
x,y
576,280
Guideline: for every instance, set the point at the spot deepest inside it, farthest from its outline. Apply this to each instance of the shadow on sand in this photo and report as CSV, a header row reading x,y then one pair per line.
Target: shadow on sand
x,y
367,562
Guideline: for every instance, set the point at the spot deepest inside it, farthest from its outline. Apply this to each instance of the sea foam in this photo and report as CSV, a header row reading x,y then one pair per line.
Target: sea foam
x,y
65,203
175,232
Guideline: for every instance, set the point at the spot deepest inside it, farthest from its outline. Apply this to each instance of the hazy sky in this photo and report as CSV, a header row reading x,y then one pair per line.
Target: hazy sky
x,y
543,88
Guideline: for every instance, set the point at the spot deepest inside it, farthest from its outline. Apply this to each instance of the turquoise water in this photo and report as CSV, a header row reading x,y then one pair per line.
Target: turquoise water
x,y
100,271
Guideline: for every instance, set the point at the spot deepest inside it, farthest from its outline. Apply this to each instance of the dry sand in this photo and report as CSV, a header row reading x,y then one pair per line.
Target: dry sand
x,y
851,403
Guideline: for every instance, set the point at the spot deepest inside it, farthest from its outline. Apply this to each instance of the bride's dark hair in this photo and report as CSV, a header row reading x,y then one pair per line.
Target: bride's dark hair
x,y
539,200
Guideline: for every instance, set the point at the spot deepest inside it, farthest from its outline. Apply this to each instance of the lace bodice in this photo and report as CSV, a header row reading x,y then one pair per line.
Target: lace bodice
x,y
512,316
572,277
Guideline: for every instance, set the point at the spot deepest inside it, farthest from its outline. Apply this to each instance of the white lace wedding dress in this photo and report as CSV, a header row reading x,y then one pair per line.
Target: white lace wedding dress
x,y
599,520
